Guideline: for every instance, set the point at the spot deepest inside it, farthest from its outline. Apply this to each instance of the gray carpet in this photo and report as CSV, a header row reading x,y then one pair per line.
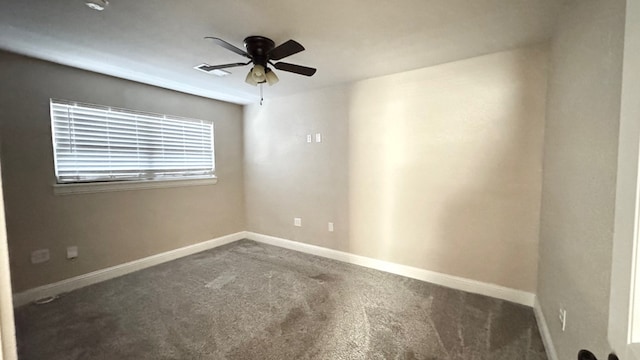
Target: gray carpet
x,y
252,301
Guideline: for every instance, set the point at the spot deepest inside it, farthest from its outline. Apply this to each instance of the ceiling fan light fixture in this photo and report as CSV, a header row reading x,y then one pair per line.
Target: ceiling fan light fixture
x,y
249,79
271,77
259,74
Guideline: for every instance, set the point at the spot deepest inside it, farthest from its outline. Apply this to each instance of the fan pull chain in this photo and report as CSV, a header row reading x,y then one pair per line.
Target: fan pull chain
x,y
261,96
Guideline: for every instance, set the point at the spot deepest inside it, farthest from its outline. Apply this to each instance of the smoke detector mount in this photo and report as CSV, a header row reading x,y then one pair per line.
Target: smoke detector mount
x,y
98,5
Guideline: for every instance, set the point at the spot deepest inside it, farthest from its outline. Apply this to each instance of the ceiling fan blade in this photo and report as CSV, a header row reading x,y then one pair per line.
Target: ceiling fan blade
x,y
228,46
298,69
285,49
224,66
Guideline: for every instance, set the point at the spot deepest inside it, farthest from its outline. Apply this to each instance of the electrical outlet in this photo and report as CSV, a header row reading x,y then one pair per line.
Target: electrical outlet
x,y
40,256
72,252
562,316
309,139
297,222
318,137
330,227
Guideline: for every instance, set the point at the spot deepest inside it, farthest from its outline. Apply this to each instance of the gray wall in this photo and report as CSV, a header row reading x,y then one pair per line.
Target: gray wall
x,y
113,227
437,168
580,159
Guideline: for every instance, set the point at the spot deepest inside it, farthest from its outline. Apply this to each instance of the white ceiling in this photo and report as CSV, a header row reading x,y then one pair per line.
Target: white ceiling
x,y
160,41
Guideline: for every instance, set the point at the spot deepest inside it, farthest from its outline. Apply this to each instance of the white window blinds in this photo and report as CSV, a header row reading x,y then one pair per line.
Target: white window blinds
x,y
98,143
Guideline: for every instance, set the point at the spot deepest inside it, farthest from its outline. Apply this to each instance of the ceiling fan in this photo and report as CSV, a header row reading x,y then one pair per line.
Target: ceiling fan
x,y
261,52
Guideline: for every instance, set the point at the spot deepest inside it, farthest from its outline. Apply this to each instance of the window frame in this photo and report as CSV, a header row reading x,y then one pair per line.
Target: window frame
x,y
122,184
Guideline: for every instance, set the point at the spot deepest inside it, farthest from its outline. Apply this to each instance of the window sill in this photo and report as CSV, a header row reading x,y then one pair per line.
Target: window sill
x,y
88,188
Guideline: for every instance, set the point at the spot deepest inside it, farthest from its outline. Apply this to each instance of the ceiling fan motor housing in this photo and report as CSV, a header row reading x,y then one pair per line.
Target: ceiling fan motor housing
x,y
259,47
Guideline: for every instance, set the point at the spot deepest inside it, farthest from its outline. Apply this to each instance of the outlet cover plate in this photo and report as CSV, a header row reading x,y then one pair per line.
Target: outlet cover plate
x,y
40,256
72,252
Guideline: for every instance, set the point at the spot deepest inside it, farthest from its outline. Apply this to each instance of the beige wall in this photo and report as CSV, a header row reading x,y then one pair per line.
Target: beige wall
x,y
286,177
109,228
578,200
439,168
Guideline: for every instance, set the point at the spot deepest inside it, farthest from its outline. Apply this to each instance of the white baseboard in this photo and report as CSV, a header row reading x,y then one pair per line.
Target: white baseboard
x,y
119,270
544,330
472,286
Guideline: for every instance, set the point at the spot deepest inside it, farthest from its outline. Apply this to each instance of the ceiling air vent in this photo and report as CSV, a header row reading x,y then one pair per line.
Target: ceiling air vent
x,y
206,68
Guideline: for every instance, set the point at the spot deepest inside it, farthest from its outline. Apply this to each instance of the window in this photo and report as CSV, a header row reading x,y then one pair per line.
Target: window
x,y
94,143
